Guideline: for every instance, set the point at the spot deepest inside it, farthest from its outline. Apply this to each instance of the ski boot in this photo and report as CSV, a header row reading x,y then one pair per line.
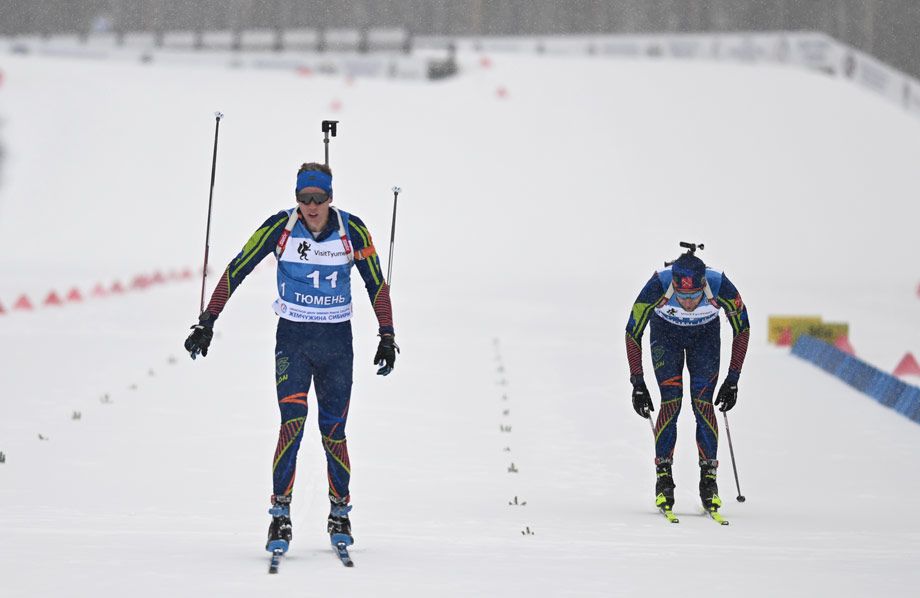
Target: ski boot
x,y
709,490
280,530
664,485
339,526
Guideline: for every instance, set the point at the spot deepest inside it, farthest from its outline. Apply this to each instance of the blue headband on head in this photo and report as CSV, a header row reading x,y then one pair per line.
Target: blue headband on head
x,y
314,178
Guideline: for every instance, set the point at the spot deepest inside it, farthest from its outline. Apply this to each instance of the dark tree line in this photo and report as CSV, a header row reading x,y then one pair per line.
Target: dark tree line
x,y
885,29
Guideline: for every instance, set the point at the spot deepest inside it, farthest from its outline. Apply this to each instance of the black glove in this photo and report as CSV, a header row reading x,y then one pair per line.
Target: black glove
x,y
200,338
728,394
386,354
642,401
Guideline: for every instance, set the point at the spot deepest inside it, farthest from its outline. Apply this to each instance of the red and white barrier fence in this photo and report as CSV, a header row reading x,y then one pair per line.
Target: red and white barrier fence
x,y
55,298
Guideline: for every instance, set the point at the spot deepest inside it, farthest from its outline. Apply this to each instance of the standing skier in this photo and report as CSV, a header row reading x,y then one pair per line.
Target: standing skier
x,y
682,301
315,246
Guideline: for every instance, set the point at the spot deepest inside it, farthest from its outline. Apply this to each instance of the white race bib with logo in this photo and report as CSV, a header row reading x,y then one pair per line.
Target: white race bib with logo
x,y
314,279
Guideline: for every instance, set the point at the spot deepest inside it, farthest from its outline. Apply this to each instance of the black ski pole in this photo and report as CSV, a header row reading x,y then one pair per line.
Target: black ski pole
x,y
731,450
396,191
207,234
329,127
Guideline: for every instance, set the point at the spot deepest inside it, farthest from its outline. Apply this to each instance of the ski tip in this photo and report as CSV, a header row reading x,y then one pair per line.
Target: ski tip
x,y
276,560
669,514
341,549
715,516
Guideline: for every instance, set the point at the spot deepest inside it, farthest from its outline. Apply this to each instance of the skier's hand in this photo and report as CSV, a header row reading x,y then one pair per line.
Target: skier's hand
x,y
386,354
728,395
642,401
200,338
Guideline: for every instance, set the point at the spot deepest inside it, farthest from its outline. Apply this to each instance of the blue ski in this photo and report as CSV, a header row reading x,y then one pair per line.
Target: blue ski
x,y
276,560
341,549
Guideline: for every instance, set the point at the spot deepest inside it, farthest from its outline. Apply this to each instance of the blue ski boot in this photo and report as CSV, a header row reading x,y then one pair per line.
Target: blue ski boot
x,y
280,530
339,527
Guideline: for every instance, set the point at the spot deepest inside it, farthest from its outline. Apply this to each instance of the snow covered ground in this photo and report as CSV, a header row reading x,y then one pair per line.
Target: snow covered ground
x,y
527,225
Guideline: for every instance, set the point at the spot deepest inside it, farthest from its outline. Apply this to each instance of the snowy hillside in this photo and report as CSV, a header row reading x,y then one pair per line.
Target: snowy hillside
x,y
528,223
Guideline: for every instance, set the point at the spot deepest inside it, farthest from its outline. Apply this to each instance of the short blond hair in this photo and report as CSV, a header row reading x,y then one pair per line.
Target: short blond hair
x,y
306,166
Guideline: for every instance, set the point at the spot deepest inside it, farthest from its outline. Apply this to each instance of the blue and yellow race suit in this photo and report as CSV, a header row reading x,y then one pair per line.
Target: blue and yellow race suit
x,y
313,339
686,328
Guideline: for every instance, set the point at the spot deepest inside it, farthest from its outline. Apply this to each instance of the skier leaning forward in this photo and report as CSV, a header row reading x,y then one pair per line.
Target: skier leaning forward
x,y
682,301
315,245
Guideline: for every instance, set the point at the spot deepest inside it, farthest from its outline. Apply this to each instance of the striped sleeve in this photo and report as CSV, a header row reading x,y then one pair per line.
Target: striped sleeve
x,y
368,263
260,244
730,300
642,310
634,355
739,350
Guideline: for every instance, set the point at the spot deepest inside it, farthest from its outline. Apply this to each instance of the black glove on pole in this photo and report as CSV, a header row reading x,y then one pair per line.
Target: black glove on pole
x,y
386,354
728,395
642,401
200,338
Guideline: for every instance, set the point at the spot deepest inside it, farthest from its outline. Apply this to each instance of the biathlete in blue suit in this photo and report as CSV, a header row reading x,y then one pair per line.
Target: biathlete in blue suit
x,y
682,302
316,246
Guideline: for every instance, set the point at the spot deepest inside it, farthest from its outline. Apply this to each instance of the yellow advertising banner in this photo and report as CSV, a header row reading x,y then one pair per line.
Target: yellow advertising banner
x,y
810,325
776,325
827,332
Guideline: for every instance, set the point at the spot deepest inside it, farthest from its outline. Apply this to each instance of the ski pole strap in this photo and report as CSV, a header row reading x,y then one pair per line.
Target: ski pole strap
x,y
344,236
668,293
708,292
282,241
706,289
